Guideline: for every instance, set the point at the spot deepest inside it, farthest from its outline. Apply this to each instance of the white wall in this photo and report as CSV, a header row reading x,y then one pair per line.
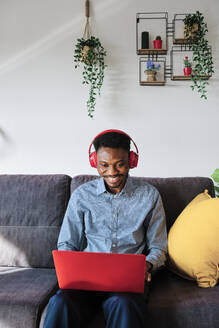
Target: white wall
x,y
44,126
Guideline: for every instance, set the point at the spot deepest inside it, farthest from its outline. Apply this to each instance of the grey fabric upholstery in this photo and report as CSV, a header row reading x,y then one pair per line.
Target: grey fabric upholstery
x,y
179,303
43,316
31,212
32,208
23,294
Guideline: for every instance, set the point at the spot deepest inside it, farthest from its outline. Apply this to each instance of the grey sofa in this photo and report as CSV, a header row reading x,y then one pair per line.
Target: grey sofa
x,y
32,208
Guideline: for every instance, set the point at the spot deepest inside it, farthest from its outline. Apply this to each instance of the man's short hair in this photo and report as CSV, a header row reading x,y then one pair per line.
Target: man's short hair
x,y
112,140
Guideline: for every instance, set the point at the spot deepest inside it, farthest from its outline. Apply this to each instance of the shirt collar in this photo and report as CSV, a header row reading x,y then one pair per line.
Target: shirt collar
x,y
127,189
101,186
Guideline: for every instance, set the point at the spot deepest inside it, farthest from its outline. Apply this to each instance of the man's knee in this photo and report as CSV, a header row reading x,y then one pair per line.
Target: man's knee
x,y
118,302
57,301
61,311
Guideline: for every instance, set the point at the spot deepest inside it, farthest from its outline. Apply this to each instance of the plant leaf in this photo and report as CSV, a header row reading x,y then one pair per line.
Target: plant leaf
x,y
215,176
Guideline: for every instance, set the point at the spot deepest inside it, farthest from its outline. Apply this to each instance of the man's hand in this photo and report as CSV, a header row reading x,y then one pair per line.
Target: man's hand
x,y
148,269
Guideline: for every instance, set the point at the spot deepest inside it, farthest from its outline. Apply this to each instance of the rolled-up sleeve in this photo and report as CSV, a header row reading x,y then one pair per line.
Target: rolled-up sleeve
x,y
72,231
156,235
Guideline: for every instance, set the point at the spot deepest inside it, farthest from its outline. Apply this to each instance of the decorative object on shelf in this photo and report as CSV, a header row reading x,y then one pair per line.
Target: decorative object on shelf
x,y
157,64
151,71
191,26
202,55
215,177
90,52
158,43
145,40
187,66
142,24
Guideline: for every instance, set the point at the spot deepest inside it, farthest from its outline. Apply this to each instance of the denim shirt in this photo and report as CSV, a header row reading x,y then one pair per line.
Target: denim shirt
x,y
127,222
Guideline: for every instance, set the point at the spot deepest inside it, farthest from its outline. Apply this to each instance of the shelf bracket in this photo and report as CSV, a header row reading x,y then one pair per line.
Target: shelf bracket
x,y
168,71
170,29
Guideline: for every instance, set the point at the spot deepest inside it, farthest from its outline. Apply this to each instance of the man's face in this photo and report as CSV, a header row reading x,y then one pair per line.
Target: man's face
x,y
113,166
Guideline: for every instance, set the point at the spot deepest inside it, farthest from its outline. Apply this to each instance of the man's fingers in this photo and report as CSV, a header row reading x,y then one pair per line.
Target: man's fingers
x,y
148,276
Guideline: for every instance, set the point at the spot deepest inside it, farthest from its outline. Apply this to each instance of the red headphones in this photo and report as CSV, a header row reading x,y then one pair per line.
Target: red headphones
x,y
133,156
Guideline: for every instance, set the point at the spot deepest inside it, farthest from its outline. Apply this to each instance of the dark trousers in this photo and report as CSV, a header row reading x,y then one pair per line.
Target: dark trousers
x,y
73,309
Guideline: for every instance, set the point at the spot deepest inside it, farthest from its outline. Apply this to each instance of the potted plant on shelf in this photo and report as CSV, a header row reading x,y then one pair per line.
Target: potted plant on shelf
x,y
187,66
151,71
195,34
191,26
157,43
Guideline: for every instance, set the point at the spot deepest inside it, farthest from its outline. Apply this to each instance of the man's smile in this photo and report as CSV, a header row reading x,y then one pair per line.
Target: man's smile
x,y
113,179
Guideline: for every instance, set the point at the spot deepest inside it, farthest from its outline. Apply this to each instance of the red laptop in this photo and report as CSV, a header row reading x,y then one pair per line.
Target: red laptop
x,y
100,271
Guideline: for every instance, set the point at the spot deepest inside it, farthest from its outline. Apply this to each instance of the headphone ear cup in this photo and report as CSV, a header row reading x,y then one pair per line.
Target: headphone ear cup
x,y
93,159
133,159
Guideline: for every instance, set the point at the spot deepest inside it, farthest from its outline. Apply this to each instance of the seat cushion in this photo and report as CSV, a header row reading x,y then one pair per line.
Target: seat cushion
x,y
23,294
179,303
32,208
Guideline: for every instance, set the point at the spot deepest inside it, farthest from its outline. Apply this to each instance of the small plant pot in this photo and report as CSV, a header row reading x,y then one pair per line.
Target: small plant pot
x,y
85,58
190,31
187,70
151,76
84,52
157,44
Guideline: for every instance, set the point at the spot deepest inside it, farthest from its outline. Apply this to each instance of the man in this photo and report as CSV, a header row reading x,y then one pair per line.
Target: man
x,y
111,214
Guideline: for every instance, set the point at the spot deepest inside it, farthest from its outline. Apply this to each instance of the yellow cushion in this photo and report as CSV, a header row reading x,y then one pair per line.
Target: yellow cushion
x,y
193,241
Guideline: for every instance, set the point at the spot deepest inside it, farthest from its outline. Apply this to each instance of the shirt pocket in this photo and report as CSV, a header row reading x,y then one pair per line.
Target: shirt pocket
x,y
95,225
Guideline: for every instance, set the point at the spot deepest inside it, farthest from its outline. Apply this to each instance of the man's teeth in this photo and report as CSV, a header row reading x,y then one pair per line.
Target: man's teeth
x,y
114,179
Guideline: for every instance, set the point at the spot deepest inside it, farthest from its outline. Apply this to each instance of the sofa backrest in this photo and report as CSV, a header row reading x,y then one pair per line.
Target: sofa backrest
x,y
176,193
32,208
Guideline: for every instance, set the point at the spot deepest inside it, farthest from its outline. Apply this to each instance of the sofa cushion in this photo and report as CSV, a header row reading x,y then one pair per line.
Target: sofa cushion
x,y
193,241
179,303
23,294
32,208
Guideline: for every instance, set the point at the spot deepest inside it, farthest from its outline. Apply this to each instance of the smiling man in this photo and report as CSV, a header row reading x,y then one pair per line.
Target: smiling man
x,y
113,167
112,214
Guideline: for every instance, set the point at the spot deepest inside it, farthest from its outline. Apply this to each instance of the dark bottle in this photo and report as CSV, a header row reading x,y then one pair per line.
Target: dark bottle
x,y
144,40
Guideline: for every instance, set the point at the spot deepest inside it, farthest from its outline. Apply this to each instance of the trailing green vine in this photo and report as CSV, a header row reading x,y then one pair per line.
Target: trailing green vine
x,y
195,33
215,177
91,54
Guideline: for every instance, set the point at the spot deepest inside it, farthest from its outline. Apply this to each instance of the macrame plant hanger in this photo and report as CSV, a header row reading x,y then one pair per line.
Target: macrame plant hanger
x,y
87,30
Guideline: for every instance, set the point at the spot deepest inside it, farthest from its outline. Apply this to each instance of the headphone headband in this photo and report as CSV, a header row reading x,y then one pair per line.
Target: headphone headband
x,y
107,131
133,156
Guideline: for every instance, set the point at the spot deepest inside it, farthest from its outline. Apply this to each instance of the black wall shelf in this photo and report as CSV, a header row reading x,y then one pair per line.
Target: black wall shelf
x,y
160,79
152,16
180,49
173,31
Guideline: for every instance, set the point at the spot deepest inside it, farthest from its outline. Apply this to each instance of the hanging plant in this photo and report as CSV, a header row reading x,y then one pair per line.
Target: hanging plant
x,y
90,53
195,30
